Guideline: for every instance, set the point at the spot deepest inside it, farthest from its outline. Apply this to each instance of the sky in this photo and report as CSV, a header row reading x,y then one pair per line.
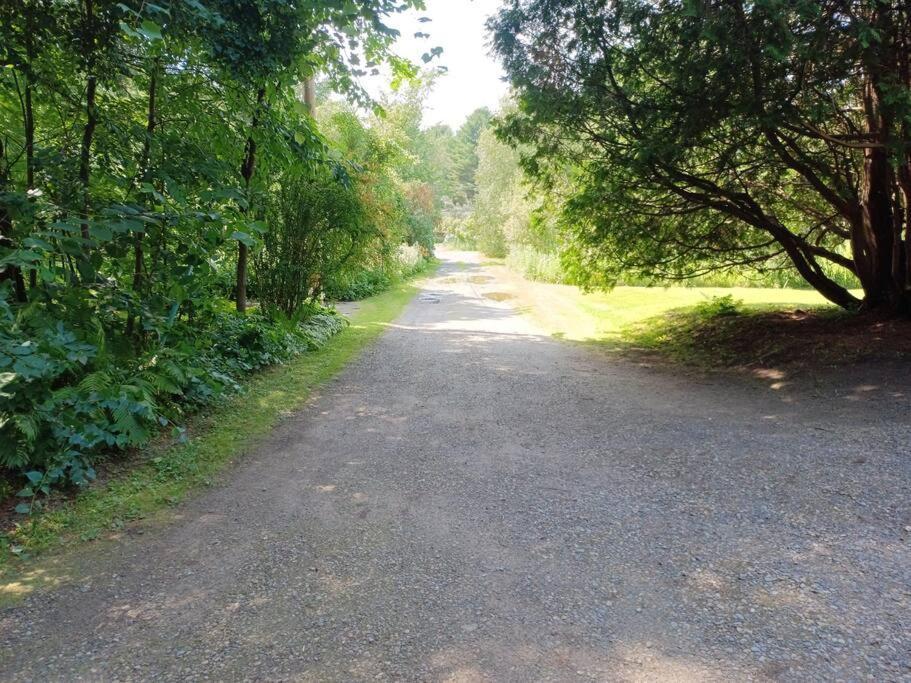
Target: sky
x,y
473,78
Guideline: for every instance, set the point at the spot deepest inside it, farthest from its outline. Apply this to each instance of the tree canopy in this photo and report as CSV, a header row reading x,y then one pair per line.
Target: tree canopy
x,y
707,134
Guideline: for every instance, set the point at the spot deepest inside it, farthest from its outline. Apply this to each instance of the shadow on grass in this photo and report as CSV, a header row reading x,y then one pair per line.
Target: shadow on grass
x,y
762,337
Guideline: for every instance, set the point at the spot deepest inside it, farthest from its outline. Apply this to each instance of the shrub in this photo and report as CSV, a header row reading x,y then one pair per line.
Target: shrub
x,y
64,401
316,227
719,307
360,283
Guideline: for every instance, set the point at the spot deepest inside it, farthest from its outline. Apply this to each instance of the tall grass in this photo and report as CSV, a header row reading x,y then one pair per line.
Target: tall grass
x,y
535,265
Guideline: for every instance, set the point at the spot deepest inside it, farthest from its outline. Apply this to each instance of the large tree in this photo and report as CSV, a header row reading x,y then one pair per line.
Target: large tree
x,y
718,133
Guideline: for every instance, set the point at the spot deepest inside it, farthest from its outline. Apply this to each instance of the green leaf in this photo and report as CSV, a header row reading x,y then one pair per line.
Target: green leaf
x,y
129,31
102,233
150,30
244,238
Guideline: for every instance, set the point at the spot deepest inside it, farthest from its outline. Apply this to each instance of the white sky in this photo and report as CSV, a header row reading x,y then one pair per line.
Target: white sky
x,y
474,78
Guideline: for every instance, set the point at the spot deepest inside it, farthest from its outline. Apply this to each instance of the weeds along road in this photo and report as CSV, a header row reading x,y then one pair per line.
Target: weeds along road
x,y
472,500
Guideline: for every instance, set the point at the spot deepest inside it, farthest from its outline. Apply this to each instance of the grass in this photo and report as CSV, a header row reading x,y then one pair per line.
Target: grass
x,y
712,327
535,265
610,317
709,327
166,474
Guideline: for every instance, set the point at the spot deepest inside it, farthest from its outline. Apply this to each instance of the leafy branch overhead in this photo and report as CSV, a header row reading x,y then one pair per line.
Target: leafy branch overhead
x,y
715,135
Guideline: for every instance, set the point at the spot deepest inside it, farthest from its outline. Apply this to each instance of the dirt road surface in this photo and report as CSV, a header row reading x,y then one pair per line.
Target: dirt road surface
x,y
472,500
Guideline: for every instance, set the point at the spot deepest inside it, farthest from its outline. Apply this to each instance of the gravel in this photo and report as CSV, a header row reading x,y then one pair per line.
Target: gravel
x,y
472,500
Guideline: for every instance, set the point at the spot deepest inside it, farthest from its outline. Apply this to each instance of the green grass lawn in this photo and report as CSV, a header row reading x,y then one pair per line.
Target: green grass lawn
x,y
164,474
569,313
711,327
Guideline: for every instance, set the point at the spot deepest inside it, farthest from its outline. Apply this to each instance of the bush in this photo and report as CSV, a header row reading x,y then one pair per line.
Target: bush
x,y
719,307
406,261
317,226
64,400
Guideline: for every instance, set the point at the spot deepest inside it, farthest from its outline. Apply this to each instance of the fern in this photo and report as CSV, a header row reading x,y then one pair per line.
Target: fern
x,y
27,426
73,406
98,382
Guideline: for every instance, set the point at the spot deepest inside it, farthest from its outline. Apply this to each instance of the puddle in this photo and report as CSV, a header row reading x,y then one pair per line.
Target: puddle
x,y
429,298
499,296
480,279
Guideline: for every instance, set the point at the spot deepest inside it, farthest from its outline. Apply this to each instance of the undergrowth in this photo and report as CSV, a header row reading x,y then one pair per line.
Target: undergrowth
x,y
66,400
161,474
361,283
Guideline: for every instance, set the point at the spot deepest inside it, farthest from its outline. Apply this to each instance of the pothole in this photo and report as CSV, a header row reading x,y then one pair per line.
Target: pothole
x,y
429,298
480,279
499,296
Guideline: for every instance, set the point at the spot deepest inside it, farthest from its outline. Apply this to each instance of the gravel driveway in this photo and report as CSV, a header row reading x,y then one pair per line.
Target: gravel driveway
x,y
474,501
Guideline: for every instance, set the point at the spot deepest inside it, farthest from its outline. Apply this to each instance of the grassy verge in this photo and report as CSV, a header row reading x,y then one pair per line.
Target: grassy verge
x,y
726,333
710,327
165,474
614,318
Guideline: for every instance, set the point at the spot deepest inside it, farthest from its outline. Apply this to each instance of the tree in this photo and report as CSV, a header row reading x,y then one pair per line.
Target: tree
x,y
718,133
272,45
467,138
501,212
139,144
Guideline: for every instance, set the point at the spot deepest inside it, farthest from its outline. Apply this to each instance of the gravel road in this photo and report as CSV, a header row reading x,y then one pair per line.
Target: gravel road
x,y
472,500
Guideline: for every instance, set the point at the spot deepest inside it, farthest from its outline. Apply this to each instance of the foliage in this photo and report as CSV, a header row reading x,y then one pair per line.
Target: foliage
x,y
506,219
717,135
719,307
501,214
170,469
147,152
353,285
65,400
317,227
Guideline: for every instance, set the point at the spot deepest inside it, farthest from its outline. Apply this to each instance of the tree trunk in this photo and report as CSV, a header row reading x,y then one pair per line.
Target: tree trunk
x,y
241,300
91,113
246,171
29,112
872,237
85,151
145,174
310,95
880,253
876,237
30,145
6,236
